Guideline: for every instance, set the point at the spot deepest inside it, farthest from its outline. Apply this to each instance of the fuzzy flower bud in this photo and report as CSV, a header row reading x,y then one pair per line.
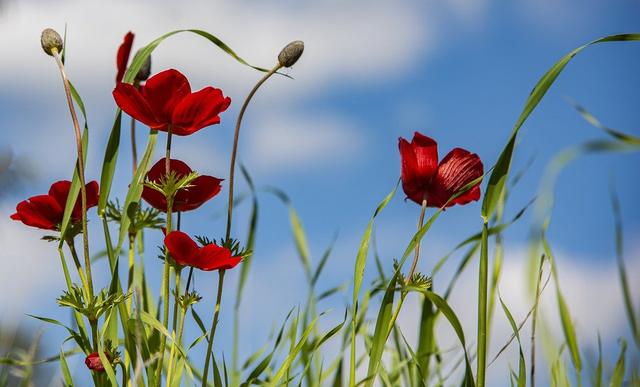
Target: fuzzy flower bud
x,y
291,53
145,70
51,40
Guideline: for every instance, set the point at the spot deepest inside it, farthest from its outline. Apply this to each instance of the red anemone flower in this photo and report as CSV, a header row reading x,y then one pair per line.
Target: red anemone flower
x,y
94,363
201,189
166,100
123,55
46,211
423,178
186,252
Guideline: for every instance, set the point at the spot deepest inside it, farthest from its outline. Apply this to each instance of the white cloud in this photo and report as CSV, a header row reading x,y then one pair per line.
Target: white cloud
x,y
297,142
346,45
30,267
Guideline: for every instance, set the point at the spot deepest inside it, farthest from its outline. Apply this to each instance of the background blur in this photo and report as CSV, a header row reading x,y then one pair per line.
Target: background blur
x,y
458,71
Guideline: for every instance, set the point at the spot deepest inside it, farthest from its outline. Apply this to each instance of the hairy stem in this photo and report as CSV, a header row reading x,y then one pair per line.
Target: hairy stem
x,y
83,188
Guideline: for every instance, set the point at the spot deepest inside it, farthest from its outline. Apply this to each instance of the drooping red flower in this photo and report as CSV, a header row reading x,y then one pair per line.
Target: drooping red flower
x,y
186,252
46,211
123,55
167,100
201,189
94,363
423,178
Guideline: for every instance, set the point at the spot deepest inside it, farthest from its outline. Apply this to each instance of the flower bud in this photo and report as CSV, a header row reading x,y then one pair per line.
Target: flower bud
x,y
145,70
51,40
291,53
94,363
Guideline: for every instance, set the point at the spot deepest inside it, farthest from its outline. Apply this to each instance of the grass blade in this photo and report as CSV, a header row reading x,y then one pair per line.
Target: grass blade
x,y
496,184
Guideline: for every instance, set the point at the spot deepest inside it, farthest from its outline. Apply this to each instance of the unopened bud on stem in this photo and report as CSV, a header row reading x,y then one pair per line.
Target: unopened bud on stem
x,y
291,53
145,70
51,40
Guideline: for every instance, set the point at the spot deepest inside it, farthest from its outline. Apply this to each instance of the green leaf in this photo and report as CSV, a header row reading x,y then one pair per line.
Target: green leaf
x,y
500,173
622,271
361,261
618,372
522,369
66,374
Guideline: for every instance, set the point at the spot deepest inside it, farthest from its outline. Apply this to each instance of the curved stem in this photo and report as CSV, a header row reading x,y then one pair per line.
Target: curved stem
x,y
83,188
214,324
234,150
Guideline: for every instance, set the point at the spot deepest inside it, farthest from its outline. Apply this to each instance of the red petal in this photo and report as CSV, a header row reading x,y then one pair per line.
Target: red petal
x,y
457,169
202,189
419,161
154,198
198,110
426,151
123,55
92,200
129,99
41,211
159,169
182,248
214,257
60,191
164,91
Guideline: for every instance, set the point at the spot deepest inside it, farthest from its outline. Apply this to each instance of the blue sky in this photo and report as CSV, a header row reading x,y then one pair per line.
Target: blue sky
x,y
458,72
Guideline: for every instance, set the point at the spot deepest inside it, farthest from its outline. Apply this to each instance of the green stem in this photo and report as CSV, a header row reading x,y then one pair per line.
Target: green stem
x,y
234,149
416,256
175,324
134,148
76,261
83,188
482,306
214,324
131,272
166,272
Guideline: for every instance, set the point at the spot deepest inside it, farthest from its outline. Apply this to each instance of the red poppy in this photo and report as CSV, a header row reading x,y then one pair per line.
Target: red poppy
x,y
186,252
93,362
167,100
423,178
201,189
123,55
46,211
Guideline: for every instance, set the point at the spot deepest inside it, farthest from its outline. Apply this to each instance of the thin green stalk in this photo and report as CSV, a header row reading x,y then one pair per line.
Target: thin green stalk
x,y
234,149
134,148
76,261
533,326
214,324
175,325
166,272
83,188
423,209
482,306
132,259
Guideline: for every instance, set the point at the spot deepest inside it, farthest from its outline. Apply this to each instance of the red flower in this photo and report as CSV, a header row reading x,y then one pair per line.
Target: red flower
x,y
209,257
423,178
166,99
46,211
201,189
123,55
93,362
